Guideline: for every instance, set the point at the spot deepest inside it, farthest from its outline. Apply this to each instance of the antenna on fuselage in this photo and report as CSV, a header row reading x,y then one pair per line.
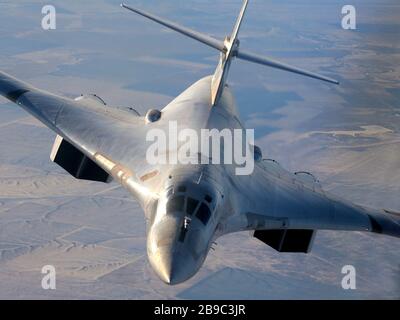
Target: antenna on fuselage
x,y
229,49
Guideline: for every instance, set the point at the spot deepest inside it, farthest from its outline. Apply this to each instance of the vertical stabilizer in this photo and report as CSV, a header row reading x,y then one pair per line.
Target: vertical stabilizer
x,y
229,49
231,44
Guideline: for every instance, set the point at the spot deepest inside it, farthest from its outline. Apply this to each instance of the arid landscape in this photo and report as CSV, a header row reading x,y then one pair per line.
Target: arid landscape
x,y
94,234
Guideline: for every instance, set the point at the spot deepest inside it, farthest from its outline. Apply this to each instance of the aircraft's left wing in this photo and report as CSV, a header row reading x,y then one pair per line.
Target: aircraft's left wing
x,y
286,212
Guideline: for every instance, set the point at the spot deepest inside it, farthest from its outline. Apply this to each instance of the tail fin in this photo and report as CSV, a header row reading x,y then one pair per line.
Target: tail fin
x,y
239,21
231,45
229,49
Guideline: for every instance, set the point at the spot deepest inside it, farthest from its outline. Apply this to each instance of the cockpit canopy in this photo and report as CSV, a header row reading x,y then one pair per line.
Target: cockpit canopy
x,y
180,201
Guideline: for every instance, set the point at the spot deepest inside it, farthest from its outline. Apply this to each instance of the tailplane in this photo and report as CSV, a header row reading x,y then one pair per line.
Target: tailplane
x,y
229,48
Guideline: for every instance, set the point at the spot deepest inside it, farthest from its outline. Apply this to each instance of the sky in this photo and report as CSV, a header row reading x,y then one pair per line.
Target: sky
x,y
347,135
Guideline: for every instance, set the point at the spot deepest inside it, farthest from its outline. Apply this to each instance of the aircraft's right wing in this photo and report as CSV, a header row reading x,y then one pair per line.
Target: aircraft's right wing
x,y
96,131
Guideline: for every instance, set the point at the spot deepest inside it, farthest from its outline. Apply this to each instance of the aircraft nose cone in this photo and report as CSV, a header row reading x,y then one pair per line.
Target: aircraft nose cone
x,y
175,266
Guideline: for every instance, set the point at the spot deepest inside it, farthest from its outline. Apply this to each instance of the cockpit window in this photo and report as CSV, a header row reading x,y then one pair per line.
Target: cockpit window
x,y
182,189
191,205
176,204
208,198
170,192
203,214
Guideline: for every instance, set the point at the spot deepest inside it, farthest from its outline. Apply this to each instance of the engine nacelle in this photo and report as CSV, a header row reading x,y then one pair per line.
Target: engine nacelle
x,y
76,163
287,240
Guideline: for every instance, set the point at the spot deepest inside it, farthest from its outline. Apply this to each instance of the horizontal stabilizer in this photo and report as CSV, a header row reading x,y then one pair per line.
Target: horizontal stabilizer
x,y
229,48
206,39
244,55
